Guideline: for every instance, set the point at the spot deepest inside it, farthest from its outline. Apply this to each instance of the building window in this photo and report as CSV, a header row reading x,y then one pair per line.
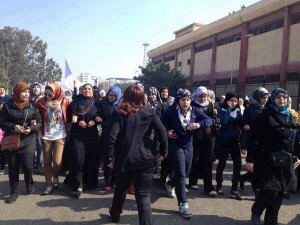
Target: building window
x,y
254,80
230,39
266,28
296,19
189,62
226,81
179,64
205,83
170,58
272,78
293,77
203,47
157,62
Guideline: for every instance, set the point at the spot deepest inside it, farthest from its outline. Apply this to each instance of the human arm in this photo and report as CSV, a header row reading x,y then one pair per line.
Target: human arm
x,y
161,133
113,133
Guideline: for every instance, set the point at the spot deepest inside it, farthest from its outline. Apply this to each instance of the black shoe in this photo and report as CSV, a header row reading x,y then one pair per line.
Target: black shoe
x,y
77,193
287,196
235,195
114,217
12,198
255,219
220,191
30,189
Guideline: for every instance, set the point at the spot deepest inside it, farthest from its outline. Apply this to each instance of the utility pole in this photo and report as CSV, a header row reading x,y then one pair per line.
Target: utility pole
x,y
145,54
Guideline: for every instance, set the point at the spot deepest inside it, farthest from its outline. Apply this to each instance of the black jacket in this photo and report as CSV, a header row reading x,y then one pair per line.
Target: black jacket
x,y
79,132
200,133
131,142
272,133
105,112
249,116
11,115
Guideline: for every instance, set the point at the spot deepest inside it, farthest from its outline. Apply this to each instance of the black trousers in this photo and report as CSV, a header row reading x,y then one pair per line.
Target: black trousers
x,y
2,161
109,176
142,180
202,161
271,201
85,164
237,164
15,161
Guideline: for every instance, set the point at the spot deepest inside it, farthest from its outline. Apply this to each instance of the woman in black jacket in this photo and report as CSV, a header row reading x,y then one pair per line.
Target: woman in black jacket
x,y
19,117
273,133
83,113
106,107
257,101
202,145
131,144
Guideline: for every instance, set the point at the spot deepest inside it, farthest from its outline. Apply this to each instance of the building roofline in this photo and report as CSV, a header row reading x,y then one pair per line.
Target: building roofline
x,y
189,26
249,13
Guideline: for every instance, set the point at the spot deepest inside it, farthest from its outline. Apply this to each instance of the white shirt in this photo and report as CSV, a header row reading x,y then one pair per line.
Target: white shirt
x,y
55,127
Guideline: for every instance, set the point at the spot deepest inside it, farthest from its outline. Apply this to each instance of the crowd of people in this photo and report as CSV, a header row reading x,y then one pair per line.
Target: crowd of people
x,y
141,135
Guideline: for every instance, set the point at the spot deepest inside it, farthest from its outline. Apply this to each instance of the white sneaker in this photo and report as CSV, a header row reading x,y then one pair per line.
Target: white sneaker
x,y
156,176
171,190
212,193
194,187
2,172
184,210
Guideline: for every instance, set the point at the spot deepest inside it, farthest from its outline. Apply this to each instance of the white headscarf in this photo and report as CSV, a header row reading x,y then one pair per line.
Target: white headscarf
x,y
200,91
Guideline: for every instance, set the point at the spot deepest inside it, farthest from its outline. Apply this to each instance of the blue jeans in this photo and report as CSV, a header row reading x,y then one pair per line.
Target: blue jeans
x,y
181,161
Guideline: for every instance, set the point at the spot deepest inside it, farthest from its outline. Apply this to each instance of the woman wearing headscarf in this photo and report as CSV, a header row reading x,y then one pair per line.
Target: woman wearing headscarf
x,y
53,108
228,143
106,108
83,114
19,117
36,94
36,89
155,103
166,99
131,148
270,157
257,101
180,120
202,145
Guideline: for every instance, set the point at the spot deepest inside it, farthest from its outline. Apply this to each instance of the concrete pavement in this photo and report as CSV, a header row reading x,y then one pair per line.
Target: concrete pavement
x,y
92,208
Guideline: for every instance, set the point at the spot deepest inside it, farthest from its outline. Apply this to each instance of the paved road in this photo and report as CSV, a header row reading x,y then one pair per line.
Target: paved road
x,y
92,207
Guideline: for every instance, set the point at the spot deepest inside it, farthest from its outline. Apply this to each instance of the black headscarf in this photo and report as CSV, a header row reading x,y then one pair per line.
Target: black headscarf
x,y
82,104
229,95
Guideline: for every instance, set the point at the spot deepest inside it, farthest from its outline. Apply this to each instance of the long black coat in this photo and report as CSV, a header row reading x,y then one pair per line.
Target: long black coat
x,y
131,142
11,115
272,133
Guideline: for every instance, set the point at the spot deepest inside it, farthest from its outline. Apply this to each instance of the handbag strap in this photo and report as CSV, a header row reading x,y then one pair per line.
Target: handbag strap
x,y
25,118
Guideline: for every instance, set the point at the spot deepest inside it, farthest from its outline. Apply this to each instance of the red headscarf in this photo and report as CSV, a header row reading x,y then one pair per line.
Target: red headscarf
x,y
58,94
18,89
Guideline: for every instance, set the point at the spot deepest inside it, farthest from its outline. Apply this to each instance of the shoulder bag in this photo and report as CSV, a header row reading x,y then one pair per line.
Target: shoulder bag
x,y
12,142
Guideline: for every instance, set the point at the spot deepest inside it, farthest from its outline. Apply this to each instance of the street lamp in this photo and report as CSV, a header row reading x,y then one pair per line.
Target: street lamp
x,y
238,36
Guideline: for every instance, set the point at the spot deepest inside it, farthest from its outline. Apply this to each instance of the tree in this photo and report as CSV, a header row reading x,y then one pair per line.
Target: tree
x,y
23,58
123,86
162,76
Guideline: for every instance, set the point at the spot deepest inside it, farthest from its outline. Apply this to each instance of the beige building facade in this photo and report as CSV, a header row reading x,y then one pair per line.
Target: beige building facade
x,y
258,45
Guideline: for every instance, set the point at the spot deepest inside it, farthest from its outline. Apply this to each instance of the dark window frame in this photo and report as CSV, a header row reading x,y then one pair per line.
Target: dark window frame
x,y
267,27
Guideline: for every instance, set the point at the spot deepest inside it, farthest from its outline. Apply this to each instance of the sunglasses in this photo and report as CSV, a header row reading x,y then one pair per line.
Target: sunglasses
x,y
112,95
49,95
281,96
